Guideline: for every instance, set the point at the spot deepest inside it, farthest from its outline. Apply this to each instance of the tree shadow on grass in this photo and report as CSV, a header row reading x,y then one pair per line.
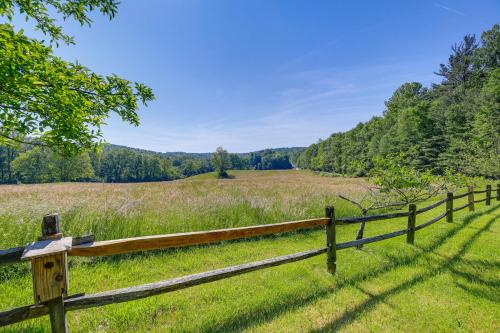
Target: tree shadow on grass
x,y
259,315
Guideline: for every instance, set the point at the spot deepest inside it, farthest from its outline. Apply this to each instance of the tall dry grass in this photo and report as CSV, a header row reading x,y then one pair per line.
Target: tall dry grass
x,y
198,203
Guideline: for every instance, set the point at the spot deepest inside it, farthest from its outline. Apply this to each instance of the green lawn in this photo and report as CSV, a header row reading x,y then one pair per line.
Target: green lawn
x,y
448,281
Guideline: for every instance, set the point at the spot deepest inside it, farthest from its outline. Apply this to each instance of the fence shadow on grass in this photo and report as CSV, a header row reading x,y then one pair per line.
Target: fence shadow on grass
x,y
446,266
256,316
261,315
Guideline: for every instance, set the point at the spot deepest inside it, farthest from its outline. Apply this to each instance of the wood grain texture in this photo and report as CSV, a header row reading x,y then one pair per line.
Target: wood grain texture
x,y
46,248
50,277
13,255
128,245
23,313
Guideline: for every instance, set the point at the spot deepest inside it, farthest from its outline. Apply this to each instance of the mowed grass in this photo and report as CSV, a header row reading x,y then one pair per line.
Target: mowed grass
x,y
447,281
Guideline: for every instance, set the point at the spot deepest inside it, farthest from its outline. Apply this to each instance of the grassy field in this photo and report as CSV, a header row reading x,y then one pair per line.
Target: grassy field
x,y
447,281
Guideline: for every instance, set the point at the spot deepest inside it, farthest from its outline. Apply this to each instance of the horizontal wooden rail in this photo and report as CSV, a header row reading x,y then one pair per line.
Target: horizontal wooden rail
x,y
462,207
350,220
152,289
434,220
480,191
461,195
23,313
128,245
86,246
357,242
434,205
13,255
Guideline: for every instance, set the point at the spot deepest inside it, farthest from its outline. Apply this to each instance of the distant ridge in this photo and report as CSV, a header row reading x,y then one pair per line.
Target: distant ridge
x,y
110,146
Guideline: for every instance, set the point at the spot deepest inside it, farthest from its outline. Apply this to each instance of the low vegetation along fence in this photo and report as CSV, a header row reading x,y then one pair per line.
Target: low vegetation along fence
x,y
50,273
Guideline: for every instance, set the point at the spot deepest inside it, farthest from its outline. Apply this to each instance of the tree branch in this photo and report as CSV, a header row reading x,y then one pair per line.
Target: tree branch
x,y
33,143
353,202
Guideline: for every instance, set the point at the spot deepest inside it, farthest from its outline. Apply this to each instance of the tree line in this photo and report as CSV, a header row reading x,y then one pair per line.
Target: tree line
x,y
453,125
28,164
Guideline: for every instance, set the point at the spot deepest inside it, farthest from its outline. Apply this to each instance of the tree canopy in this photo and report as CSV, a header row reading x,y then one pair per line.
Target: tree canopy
x,y
47,101
118,164
221,162
452,126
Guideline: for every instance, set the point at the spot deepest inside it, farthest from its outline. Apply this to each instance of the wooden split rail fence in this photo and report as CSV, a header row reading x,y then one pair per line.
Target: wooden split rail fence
x,y
49,254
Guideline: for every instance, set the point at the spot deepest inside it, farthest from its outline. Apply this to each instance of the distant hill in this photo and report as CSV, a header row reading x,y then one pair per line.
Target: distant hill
x,y
117,164
181,154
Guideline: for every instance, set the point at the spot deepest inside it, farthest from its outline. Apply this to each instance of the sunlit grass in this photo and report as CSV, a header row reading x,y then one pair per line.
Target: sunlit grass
x,y
447,281
197,203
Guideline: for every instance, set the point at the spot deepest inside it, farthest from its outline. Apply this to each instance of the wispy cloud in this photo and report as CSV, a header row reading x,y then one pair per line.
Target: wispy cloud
x,y
448,9
302,107
343,38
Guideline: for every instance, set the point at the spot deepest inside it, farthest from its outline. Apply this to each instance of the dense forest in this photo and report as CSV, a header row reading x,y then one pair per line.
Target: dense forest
x,y
453,125
28,164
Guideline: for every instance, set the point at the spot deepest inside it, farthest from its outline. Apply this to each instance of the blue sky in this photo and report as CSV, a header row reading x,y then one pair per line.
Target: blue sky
x,y
248,75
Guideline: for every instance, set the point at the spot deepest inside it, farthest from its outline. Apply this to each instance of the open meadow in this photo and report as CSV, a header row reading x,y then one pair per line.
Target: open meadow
x,y
447,281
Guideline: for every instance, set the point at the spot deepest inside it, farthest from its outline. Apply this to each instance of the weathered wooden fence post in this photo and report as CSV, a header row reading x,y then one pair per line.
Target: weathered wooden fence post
x,y
50,276
331,242
498,192
449,207
470,198
412,218
488,195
